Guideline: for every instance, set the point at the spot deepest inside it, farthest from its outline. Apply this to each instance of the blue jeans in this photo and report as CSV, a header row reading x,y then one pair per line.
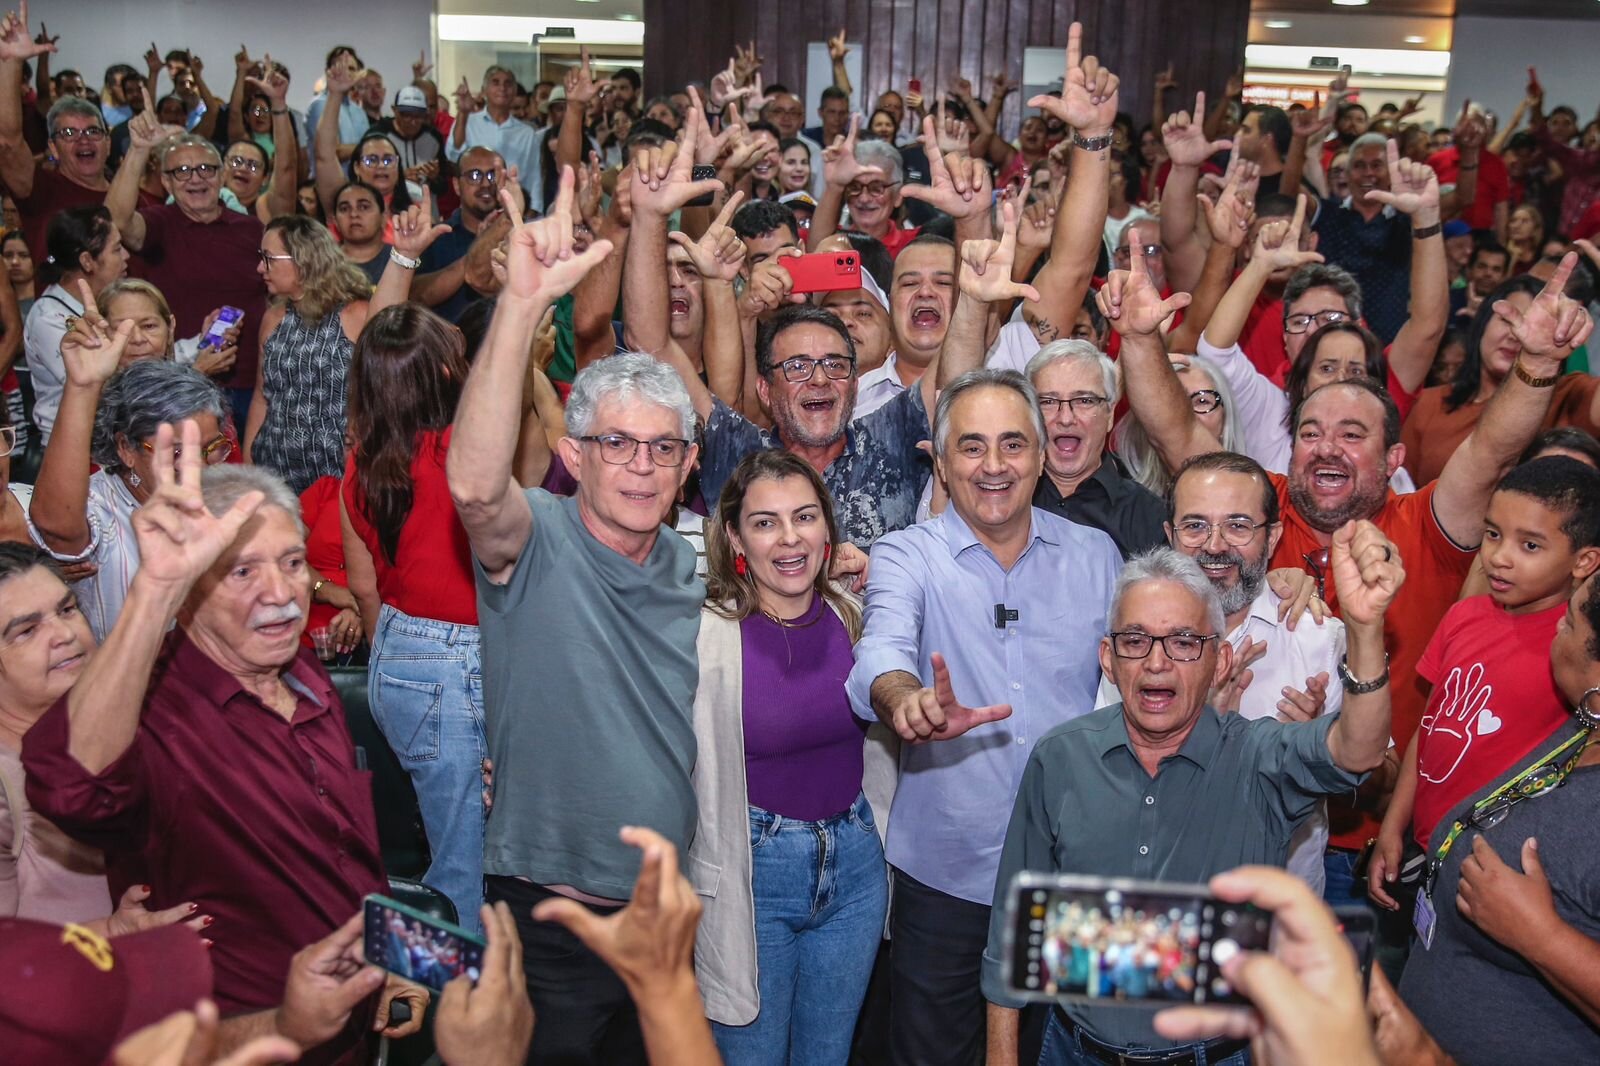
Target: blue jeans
x,y
1342,886
425,684
1063,1048
821,894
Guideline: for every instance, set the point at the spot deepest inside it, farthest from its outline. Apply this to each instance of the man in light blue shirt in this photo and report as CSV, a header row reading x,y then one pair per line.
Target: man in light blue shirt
x,y
494,126
1000,606
353,121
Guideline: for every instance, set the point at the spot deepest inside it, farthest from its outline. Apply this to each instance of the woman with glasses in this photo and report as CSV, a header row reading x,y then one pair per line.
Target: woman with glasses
x,y
787,856
109,417
376,160
297,414
1511,888
1210,396
85,250
410,569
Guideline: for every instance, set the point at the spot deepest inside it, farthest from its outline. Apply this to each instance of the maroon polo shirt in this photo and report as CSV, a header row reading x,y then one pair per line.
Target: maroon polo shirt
x,y
52,194
265,823
201,266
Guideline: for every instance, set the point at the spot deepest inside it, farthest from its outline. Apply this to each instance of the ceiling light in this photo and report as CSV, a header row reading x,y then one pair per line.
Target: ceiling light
x,y
1350,3
1416,39
627,18
1278,24
519,29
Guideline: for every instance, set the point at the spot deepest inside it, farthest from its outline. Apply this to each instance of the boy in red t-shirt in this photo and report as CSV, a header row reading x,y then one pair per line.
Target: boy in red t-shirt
x,y
1493,697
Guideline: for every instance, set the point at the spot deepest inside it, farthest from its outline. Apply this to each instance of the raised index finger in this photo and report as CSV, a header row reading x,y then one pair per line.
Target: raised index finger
x,y
1299,216
729,208
1557,285
1074,45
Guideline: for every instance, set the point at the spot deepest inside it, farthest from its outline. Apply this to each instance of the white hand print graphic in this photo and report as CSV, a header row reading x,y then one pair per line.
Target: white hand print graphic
x,y
1462,713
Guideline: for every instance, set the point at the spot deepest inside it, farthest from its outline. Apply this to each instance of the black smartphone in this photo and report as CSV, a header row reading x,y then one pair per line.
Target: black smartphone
x,y
413,945
1113,941
1359,926
702,172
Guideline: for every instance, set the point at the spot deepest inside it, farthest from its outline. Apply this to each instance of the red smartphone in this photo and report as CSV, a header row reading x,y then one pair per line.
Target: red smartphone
x,y
915,85
824,271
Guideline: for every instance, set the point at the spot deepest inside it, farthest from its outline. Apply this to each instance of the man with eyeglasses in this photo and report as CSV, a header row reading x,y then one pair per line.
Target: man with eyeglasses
x,y
785,111
441,280
197,252
1164,786
490,124
421,146
78,142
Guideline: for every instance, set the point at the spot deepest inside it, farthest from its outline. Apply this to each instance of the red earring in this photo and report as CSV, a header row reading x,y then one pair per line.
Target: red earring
x,y
740,567
827,552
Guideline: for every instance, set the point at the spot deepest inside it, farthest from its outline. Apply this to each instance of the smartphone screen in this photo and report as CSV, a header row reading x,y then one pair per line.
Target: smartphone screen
x,y
412,945
1125,942
227,317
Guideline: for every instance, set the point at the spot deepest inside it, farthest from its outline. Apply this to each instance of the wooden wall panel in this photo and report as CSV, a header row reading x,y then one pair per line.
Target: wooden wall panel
x,y
689,40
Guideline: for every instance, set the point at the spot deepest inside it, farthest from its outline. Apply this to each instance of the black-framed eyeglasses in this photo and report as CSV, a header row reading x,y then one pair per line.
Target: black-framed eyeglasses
x,y
244,162
1079,405
1537,782
1125,253
800,368
1303,323
217,451
1318,562
379,160
871,188
88,133
205,170
1204,401
1179,647
476,176
618,449
1194,532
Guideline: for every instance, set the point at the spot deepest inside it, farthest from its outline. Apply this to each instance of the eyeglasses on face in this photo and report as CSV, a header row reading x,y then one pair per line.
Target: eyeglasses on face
x,y
1079,405
267,257
72,133
375,160
799,369
1179,647
871,188
205,170
259,110
214,452
244,162
479,177
618,449
1125,253
1303,322
1195,532
1204,401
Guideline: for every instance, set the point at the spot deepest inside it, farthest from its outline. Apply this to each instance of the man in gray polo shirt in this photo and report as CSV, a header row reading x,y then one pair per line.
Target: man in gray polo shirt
x,y
1162,787
588,612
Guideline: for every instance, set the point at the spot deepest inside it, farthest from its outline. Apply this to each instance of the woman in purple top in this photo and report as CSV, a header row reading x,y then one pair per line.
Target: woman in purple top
x,y
780,770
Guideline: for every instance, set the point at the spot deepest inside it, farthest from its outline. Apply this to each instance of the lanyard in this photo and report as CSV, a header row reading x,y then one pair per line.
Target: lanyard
x,y
1530,774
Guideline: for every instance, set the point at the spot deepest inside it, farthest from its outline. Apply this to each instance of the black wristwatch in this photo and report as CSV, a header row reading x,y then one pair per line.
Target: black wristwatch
x,y
1091,144
1361,688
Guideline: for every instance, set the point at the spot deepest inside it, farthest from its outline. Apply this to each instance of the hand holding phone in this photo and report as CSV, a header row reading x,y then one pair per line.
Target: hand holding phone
x,y
410,944
217,335
824,271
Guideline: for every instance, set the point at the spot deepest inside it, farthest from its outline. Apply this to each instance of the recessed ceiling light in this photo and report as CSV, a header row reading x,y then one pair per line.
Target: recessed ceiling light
x,y
627,18
1416,39
1351,3
1278,24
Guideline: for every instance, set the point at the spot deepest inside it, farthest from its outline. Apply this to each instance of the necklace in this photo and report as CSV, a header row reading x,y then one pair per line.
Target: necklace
x,y
784,623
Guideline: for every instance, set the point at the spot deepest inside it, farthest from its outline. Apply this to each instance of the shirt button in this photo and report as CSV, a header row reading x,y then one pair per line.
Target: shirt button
x,y
1016,684
1149,800
1144,849
1022,740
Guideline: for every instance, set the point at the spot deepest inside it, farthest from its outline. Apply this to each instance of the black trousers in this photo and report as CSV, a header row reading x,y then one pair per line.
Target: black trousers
x,y
585,1016
937,1014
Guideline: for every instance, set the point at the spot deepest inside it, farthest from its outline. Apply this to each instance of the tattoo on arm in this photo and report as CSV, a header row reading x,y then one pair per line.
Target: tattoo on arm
x,y
1043,328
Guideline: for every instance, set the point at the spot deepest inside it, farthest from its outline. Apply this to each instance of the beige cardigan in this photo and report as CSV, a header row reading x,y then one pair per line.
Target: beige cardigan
x,y
719,864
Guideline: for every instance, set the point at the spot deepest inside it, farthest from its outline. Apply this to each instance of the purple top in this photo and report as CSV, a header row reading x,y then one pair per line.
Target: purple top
x,y
802,744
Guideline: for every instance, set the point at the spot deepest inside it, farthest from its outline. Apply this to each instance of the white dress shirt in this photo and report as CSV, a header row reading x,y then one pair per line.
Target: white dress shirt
x,y
1291,658
46,324
517,142
877,387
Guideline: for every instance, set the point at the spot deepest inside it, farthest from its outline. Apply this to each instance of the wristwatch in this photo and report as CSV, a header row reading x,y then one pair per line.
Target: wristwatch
x,y
1531,381
1361,688
1422,233
403,260
277,110
1091,144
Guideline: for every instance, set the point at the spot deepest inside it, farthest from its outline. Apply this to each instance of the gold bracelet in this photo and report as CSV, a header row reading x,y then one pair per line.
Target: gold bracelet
x,y
318,587
1531,381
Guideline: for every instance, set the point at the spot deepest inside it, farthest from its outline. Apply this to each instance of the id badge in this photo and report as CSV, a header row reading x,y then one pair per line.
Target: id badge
x,y
1423,919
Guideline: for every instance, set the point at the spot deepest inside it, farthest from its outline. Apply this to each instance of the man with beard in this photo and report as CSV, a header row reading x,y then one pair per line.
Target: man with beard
x,y
920,298
78,141
442,283
787,114
1346,446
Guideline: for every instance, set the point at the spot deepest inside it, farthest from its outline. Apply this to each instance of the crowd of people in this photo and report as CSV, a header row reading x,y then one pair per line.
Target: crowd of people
x,y
1215,501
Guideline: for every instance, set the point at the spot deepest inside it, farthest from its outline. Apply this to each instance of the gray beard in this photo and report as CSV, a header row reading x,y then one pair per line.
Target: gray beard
x,y
1252,576
790,431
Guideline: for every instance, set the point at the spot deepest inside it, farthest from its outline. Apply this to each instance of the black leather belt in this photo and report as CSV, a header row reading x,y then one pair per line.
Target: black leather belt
x,y
1189,1055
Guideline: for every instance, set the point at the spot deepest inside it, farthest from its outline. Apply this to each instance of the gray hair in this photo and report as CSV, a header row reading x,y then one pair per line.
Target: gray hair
x,y
1134,447
1169,564
142,396
186,140
627,376
1369,140
884,156
223,485
982,378
1075,351
1323,276
72,105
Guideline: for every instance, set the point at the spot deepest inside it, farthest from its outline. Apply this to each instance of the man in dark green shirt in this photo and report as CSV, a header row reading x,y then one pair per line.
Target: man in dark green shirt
x,y
1162,787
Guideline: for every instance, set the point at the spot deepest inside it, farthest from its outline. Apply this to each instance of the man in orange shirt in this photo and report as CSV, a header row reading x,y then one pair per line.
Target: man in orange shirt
x,y
1346,446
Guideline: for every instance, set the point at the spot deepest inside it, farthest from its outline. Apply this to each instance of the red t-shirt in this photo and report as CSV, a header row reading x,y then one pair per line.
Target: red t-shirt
x,y
897,238
201,266
431,575
1588,226
1494,183
319,510
1435,568
1493,700
51,195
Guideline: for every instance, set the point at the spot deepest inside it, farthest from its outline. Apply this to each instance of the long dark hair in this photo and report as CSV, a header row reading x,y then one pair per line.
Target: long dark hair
x,y
1470,376
402,195
733,595
72,233
1300,370
406,375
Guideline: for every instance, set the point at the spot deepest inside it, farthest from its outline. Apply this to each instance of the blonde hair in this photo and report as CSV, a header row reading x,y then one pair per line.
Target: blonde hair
x,y
134,287
328,280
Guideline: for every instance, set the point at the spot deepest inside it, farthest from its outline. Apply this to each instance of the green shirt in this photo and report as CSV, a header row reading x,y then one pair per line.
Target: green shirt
x,y
564,364
1233,794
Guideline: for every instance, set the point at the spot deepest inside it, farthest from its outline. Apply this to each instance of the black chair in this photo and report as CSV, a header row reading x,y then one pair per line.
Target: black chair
x,y
401,838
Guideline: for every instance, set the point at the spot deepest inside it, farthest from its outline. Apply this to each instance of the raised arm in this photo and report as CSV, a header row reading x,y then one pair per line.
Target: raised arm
x,y
717,257
984,278
414,233
1414,191
1228,220
1468,137
1277,247
1088,104
594,301
581,91
1368,572
286,153
237,98
122,199
1166,81
839,169
540,268
466,104
16,47
1549,330
330,174
837,50
1304,161
178,541
207,126
1136,310
1188,148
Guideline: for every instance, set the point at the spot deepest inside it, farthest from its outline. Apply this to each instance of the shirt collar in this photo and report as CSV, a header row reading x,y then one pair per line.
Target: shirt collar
x,y
1387,212
220,687
1200,747
878,374
960,536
